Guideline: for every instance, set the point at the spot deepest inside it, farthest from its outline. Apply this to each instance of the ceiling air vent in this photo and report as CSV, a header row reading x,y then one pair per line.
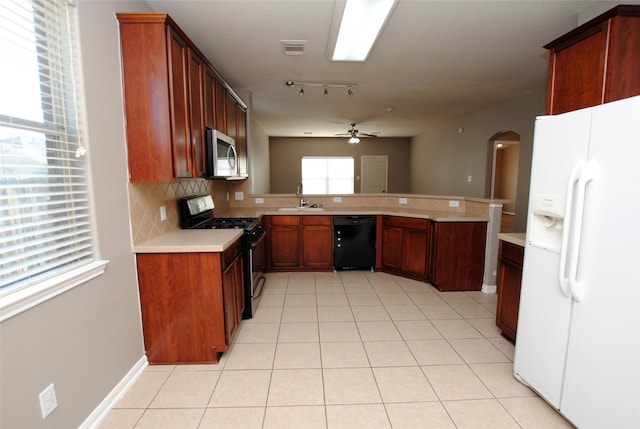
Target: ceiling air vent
x,y
293,47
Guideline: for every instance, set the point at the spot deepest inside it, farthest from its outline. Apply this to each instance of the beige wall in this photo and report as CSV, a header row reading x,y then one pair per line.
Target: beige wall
x,y
285,154
443,158
258,148
87,339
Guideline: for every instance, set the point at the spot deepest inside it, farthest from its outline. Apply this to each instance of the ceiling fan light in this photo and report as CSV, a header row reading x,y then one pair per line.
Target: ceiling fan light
x,y
353,140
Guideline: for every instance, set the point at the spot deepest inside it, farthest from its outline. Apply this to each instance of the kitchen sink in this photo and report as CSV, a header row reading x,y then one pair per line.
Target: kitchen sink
x,y
300,209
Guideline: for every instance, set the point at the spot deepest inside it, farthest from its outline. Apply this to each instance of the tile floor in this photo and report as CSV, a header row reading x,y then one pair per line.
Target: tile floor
x,y
350,350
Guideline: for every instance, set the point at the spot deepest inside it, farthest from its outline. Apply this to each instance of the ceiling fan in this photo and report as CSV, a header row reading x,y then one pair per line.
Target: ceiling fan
x,y
354,135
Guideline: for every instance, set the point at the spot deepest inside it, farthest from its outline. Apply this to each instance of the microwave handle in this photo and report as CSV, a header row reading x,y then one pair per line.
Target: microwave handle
x,y
232,156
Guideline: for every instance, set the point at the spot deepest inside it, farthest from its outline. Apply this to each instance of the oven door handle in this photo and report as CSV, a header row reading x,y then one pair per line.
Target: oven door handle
x,y
257,242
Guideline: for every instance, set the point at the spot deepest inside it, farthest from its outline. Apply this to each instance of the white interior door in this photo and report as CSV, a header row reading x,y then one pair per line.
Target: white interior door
x,y
374,174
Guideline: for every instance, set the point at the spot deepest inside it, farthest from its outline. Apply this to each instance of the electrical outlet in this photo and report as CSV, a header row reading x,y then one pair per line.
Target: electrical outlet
x,y
239,196
337,199
163,213
48,400
259,200
454,203
469,179
402,201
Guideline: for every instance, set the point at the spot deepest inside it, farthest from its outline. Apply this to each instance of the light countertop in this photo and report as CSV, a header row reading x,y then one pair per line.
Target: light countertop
x,y
439,216
190,241
517,238
218,240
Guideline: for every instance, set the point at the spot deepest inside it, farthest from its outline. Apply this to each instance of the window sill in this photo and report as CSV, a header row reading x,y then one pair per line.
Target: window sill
x,y
24,299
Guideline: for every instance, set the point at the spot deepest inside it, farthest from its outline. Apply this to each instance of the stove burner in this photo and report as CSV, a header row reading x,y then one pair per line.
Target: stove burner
x,y
228,223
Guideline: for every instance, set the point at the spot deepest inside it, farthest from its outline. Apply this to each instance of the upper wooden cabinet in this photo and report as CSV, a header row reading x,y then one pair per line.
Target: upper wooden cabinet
x,y
596,63
171,93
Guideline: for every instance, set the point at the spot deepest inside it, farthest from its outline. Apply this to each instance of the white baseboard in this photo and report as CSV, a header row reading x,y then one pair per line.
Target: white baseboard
x,y
489,288
101,411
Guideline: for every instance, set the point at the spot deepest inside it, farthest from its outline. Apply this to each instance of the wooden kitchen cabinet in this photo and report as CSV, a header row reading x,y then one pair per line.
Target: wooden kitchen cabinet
x,y
405,246
232,284
171,92
595,63
282,242
317,242
509,280
191,304
299,242
456,261
196,70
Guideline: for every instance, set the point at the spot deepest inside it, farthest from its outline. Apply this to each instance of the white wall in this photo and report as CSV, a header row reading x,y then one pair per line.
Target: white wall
x,y
88,338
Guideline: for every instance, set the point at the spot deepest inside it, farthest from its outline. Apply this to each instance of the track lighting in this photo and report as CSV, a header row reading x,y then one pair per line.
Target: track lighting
x,y
325,86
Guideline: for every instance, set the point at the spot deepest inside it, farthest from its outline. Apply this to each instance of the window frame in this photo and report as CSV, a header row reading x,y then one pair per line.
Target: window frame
x,y
15,299
327,178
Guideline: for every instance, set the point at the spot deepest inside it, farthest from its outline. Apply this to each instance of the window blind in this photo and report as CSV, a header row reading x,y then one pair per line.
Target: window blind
x,y
45,222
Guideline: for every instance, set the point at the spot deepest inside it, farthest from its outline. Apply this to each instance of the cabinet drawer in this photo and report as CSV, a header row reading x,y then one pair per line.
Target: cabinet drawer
x,y
231,253
406,222
512,253
284,220
317,220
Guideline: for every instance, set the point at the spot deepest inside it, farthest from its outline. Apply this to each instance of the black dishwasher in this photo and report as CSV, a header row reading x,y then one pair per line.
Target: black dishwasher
x,y
354,242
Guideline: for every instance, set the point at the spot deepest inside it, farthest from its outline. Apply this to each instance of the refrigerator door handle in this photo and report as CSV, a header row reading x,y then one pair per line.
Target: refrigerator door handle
x,y
563,276
589,173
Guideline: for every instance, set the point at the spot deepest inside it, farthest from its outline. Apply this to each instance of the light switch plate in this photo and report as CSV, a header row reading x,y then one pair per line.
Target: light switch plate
x,y
239,196
454,203
337,199
402,201
259,200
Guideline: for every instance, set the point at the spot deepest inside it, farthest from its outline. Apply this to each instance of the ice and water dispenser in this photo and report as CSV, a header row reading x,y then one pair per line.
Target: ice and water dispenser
x,y
546,221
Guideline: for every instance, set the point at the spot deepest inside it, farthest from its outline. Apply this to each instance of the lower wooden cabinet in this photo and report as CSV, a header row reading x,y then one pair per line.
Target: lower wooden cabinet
x,y
509,281
299,242
405,246
190,303
457,255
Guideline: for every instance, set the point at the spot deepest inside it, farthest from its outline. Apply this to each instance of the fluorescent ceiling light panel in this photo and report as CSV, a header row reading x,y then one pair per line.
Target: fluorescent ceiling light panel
x,y
362,21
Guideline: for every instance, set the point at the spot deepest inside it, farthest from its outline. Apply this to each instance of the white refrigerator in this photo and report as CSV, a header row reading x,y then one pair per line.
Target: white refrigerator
x,y
578,330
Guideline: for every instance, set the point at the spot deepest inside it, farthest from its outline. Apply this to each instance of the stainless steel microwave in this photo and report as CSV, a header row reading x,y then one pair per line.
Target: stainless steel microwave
x,y
222,159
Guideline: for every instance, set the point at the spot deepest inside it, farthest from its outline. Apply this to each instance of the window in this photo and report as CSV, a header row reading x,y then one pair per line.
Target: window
x,y
327,175
45,219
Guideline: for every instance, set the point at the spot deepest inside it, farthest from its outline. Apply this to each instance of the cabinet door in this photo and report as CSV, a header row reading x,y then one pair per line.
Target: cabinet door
x,y
196,103
182,306
317,242
458,254
392,247
239,288
181,146
208,98
241,140
509,280
231,116
146,95
414,252
228,293
220,94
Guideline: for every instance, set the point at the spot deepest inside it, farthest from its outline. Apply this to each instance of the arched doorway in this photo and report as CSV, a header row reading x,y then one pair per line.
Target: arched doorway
x,y
505,156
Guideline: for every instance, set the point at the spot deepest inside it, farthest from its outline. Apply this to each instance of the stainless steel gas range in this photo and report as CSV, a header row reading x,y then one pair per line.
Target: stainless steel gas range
x,y
197,213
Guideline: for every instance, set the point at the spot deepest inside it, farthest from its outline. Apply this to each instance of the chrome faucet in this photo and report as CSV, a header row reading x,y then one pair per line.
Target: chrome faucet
x,y
303,202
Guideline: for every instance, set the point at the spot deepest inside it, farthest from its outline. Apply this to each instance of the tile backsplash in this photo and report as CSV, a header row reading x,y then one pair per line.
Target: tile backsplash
x,y
145,200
